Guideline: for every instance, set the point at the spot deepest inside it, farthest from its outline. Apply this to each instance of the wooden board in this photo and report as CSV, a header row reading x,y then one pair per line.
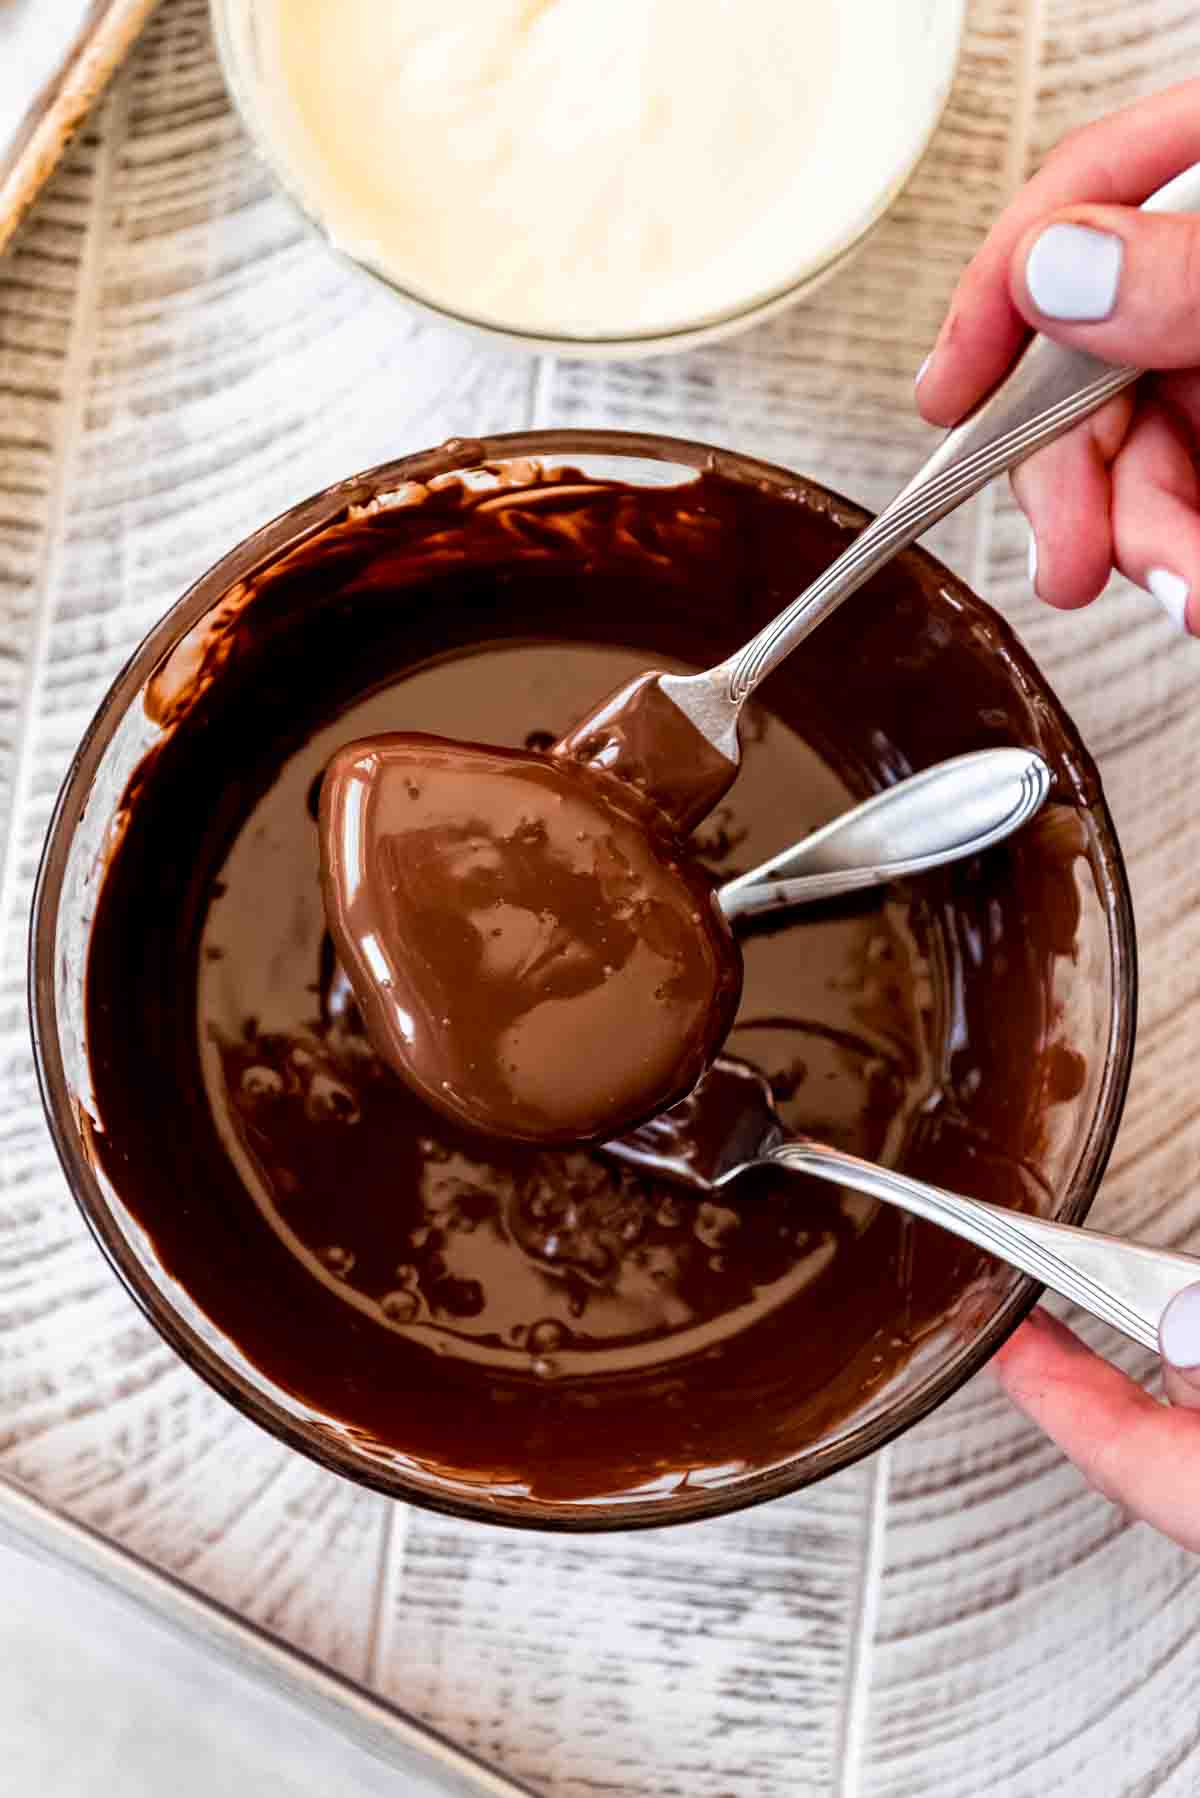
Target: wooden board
x,y
178,360
54,62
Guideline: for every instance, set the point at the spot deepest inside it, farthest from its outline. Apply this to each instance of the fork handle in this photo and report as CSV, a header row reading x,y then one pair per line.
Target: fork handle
x,y
1127,1284
1048,391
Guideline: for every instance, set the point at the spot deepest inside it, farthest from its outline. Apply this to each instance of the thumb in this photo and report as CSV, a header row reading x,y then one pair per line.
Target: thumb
x,y
1121,283
1179,1340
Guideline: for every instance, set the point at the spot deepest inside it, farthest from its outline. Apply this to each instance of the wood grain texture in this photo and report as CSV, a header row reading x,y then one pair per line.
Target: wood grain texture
x,y
704,1660
1059,1655
54,63
206,365
180,359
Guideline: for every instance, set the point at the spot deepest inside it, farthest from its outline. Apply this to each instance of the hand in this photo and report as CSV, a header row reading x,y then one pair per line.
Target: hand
x,y
1071,258
1141,1454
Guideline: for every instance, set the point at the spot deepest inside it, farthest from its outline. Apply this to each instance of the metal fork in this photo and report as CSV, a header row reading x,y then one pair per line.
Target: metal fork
x,y
730,1124
1047,392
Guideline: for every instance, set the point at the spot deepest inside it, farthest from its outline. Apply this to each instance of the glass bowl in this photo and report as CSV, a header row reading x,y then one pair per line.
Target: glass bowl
x,y
1094,991
934,29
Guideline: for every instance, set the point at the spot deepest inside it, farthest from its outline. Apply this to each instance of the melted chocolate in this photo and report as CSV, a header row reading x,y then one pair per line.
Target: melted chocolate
x,y
532,949
507,1317
640,735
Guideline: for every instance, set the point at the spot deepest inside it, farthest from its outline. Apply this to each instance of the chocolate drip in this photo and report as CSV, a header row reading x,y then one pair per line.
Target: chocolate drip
x,y
533,951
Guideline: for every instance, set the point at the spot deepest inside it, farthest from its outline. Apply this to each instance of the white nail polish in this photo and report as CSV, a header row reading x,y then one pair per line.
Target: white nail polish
x,y
1073,273
1033,561
923,370
1171,592
1179,1330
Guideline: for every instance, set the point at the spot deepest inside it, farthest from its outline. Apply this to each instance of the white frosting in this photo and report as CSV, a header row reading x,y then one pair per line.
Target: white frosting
x,y
599,167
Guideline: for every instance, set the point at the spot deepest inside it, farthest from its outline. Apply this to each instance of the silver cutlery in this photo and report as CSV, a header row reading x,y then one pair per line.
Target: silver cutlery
x,y
729,1124
955,809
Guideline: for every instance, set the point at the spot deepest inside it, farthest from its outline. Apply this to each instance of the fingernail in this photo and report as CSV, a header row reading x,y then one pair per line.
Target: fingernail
x,y
1033,559
923,370
1073,272
1179,1330
1171,592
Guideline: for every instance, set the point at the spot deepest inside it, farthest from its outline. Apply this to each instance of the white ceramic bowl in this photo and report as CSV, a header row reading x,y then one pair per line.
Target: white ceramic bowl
x,y
934,32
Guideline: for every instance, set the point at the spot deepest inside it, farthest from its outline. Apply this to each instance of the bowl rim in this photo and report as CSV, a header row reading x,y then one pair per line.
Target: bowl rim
x,y
269,543
229,16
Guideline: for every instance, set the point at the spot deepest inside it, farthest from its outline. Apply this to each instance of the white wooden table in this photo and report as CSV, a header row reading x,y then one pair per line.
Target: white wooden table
x,y
178,361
